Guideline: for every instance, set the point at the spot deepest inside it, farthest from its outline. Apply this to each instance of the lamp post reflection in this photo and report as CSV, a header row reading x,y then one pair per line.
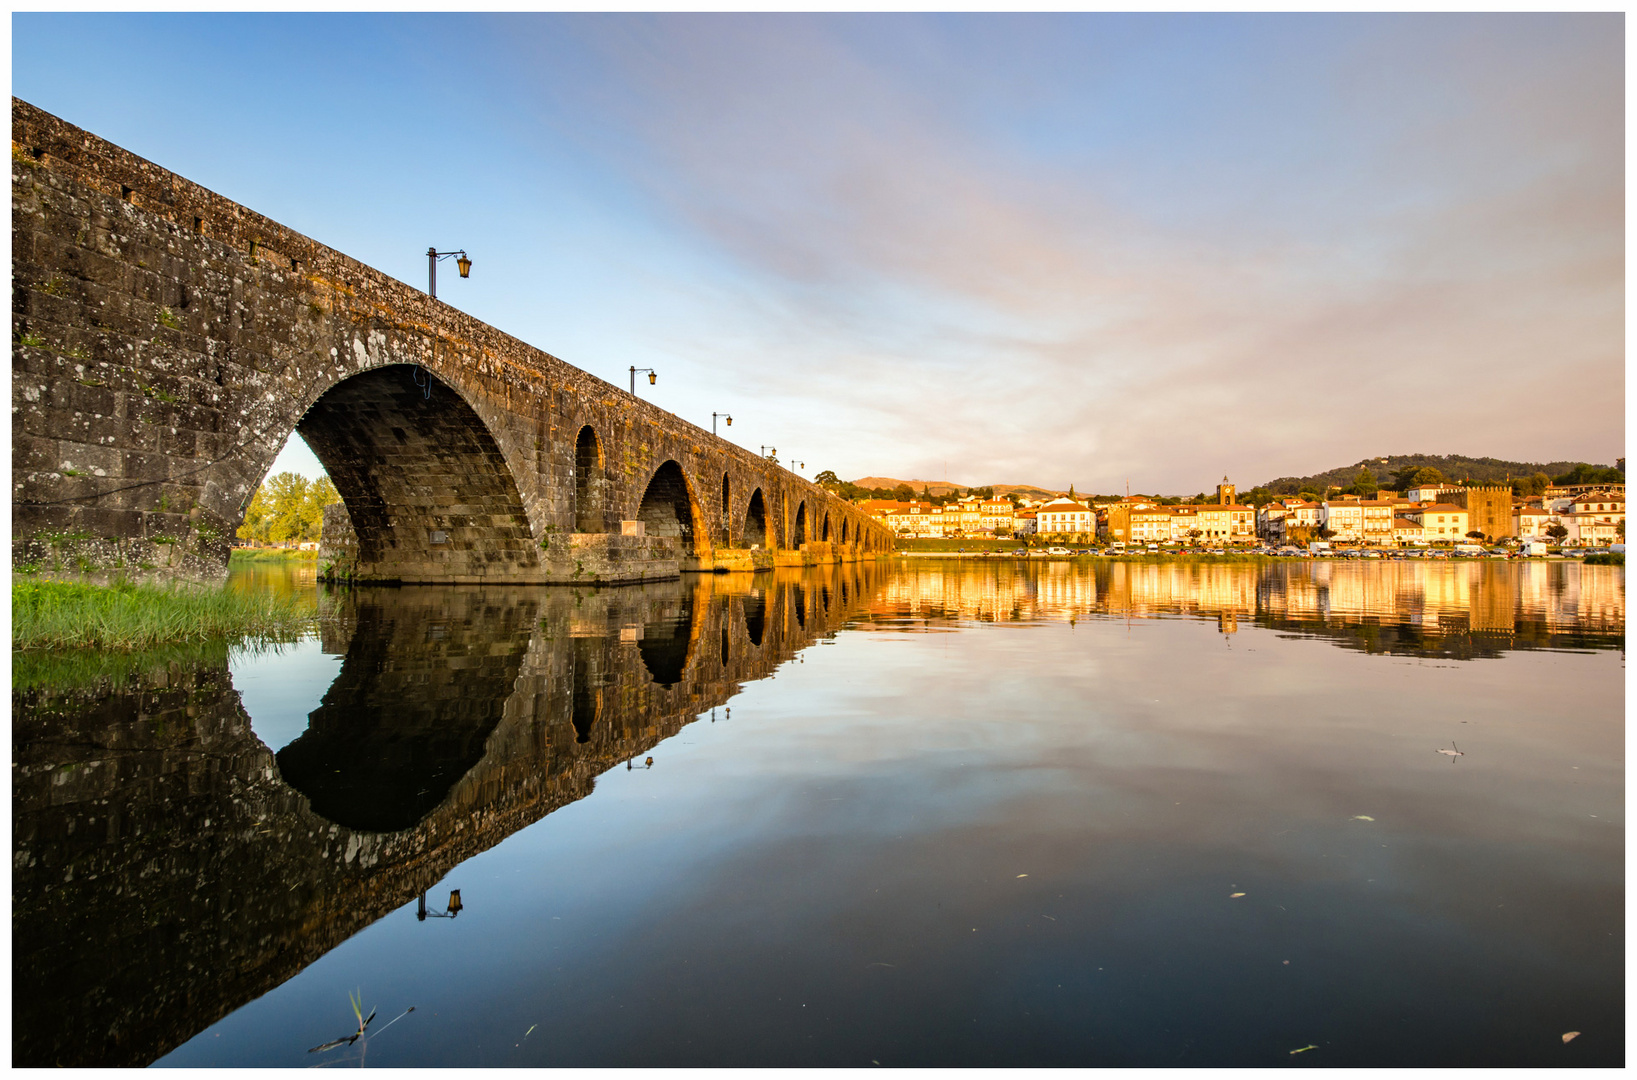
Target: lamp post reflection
x,y
454,908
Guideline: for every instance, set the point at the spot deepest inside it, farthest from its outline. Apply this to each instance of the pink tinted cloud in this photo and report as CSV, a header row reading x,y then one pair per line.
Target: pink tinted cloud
x,y
1424,288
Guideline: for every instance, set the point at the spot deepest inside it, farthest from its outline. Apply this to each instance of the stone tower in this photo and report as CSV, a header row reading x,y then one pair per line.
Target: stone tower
x,y
1224,493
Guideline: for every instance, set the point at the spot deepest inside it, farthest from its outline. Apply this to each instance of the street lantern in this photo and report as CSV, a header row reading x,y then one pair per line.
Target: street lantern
x,y
433,257
653,377
723,415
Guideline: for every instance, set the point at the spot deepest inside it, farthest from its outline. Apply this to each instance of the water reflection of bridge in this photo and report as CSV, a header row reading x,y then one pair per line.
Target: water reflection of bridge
x,y
169,867
1422,606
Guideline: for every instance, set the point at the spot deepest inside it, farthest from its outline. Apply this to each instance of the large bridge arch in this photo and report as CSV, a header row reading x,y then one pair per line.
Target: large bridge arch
x,y
430,494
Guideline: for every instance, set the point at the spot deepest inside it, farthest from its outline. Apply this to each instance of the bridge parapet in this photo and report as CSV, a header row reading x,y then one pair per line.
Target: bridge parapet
x,y
167,340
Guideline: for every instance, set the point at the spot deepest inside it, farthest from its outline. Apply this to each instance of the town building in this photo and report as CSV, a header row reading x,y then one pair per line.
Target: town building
x,y
1066,517
1440,522
1596,518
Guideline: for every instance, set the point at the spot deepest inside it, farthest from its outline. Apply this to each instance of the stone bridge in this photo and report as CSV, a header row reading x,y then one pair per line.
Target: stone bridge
x,y
169,867
166,341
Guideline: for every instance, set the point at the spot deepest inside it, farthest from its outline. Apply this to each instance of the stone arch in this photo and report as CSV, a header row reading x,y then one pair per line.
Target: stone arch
x,y
824,530
727,520
755,532
668,507
590,483
799,534
844,528
429,492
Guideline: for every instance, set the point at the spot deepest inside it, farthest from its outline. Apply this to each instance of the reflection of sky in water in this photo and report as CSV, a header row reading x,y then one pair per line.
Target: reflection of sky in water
x,y
832,876
281,687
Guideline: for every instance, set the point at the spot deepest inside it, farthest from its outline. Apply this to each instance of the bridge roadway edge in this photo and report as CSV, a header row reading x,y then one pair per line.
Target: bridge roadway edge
x,y
167,340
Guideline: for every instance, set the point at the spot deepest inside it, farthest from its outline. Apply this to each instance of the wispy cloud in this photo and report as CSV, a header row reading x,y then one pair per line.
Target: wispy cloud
x,y
1368,235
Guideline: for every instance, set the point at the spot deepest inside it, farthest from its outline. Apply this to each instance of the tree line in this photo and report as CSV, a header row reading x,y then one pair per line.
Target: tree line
x,y
288,508
902,493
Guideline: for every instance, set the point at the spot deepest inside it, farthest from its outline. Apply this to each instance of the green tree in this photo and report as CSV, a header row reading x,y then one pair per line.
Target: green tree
x,y
286,497
827,479
1557,531
903,493
320,493
256,517
1592,474
1527,486
1364,483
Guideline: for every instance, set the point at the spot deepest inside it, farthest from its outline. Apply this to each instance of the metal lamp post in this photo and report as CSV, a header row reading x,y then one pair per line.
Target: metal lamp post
x,y
653,377
725,416
433,257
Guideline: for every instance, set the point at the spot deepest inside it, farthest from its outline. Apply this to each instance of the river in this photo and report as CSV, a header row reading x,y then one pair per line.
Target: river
x,y
915,813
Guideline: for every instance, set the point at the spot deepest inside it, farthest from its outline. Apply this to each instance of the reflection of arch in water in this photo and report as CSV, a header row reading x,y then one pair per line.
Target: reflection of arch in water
x,y
799,602
401,724
586,706
755,618
669,509
418,469
755,534
667,643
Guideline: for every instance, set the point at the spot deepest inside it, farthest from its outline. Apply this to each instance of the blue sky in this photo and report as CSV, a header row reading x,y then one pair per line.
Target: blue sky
x,y
1044,249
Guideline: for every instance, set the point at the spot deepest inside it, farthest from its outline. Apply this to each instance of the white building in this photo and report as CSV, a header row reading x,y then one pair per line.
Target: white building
x,y
1064,517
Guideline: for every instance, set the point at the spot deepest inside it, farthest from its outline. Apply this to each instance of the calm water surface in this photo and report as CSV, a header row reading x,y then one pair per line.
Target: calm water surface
x,y
921,813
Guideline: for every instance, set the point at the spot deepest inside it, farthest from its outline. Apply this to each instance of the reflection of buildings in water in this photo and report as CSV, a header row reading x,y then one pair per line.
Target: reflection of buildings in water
x,y
1429,599
168,867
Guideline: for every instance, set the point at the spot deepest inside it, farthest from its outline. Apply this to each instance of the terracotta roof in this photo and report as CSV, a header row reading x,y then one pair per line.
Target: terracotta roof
x,y
1443,508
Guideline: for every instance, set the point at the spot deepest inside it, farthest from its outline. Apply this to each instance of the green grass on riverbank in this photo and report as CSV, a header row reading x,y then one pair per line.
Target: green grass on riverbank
x,y
70,615
953,547
239,555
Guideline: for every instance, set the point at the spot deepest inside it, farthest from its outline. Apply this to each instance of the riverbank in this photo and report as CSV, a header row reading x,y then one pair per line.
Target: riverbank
x,y
242,555
72,615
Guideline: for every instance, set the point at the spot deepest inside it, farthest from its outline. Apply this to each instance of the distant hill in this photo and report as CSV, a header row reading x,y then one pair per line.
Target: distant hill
x,y
933,487
944,487
1455,467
